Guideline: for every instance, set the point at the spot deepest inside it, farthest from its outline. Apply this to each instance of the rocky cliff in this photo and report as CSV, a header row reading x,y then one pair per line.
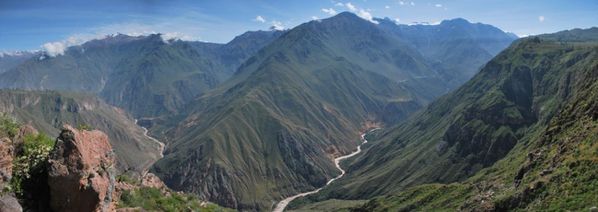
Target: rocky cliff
x,y
81,173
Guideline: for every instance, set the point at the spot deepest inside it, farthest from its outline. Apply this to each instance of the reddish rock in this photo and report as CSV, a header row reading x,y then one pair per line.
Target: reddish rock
x,y
8,203
6,157
153,181
81,172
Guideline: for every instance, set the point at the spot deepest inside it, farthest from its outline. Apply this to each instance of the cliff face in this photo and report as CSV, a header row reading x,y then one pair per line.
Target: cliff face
x,y
81,173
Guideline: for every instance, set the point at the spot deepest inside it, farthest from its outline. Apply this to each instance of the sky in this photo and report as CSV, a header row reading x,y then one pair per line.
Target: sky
x,y
55,24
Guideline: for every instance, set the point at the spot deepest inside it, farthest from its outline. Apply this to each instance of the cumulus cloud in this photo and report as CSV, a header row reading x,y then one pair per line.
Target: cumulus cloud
x,y
329,11
277,25
366,15
351,6
338,4
541,18
54,49
57,48
363,13
438,5
387,7
168,30
259,18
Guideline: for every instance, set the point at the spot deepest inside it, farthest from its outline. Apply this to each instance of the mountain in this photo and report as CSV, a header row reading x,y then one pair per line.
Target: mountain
x,y
145,75
48,111
10,60
456,47
272,129
517,136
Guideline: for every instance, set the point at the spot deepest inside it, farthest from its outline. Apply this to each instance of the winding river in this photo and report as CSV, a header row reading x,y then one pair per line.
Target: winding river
x,y
160,144
283,203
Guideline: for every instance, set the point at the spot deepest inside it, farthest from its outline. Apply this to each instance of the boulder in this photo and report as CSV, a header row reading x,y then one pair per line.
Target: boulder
x,y
9,203
81,173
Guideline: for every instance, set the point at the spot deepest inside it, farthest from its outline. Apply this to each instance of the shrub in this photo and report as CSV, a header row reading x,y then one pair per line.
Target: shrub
x,y
84,127
31,161
152,199
8,125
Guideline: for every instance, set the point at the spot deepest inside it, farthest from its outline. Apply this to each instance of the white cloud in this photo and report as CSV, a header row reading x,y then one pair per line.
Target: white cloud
x,y
363,13
412,3
54,49
57,48
366,15
401,2
387,7
168,30
315,18
338,4
259,18
168,36
541,18
329,11
438,5
397,20
277,25
351,7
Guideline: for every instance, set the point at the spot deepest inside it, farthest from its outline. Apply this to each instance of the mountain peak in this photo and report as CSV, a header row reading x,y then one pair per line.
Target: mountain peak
x,y
345,16
456,21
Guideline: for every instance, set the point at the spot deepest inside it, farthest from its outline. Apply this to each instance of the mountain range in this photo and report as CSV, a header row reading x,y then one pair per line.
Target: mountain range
x,y
260,118
145,75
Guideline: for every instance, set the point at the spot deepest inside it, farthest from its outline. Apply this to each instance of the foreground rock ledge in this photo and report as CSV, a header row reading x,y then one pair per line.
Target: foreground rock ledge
x,y
81,172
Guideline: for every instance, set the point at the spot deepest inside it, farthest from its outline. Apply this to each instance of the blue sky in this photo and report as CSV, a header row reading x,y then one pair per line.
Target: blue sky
x,y
29,24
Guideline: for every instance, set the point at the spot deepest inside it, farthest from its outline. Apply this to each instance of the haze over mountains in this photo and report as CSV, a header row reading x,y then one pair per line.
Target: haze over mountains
x,y
471,119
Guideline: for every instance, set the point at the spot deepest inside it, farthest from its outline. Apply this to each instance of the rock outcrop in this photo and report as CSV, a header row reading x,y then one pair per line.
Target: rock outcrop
x,y
6,157
81,172
8,203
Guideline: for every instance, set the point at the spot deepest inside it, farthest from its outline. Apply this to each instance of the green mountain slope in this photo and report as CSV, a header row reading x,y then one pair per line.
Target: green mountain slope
x,y
47,111
145,75
519,135
273,129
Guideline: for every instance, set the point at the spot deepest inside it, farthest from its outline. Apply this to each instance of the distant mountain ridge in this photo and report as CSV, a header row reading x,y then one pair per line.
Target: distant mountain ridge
x,y
13,59
145,75
456,47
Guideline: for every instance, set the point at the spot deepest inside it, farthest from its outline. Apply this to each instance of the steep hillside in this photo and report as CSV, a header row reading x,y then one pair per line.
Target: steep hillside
x,y
47,111
524,128
291,108
273,129
145,75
